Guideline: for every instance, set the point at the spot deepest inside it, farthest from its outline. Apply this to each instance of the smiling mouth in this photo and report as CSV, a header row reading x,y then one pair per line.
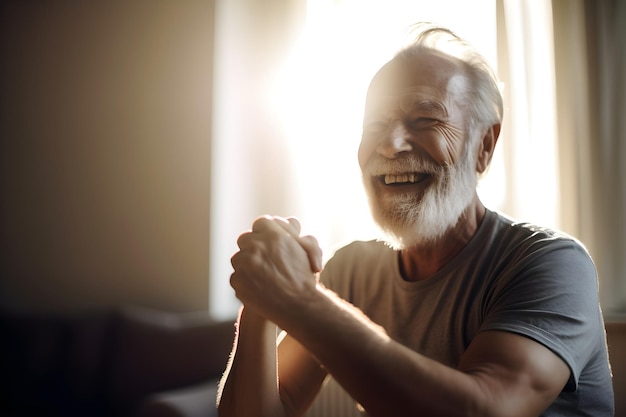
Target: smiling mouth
x,y
403,179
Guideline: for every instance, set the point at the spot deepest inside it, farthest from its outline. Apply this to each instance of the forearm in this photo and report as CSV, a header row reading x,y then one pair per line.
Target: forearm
x,y
249,386
382,375
499,374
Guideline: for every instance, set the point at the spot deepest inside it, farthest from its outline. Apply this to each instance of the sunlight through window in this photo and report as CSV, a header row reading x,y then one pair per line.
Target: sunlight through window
x,y
320,95
315,100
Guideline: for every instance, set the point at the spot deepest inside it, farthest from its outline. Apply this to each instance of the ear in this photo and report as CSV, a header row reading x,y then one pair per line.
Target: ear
x,y
487,146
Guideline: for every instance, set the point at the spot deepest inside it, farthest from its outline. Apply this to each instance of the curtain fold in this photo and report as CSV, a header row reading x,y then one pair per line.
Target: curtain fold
x,y
589,43
573,118
574,121
603,219
528,136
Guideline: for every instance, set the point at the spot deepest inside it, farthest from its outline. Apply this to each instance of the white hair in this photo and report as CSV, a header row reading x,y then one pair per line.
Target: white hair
x,y
483,98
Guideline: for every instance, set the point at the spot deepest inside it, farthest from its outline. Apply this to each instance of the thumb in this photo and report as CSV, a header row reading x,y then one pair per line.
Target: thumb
x,y
308,243
313,251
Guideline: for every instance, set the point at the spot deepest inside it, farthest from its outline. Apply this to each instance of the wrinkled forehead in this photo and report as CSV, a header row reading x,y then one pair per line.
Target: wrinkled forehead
x,y
427,80
420,98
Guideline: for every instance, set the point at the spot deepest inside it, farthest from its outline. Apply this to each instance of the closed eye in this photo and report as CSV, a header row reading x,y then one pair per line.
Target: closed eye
x,y
423,123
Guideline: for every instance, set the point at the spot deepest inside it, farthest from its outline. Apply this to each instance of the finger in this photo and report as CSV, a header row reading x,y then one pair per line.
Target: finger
x,y
308,243
295,224
313,252
243,239
262,223
235,260
290,225
267,223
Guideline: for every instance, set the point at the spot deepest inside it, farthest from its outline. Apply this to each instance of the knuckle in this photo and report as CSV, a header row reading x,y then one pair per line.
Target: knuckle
x,y
234,281
295,224
242,239
261,223
234,260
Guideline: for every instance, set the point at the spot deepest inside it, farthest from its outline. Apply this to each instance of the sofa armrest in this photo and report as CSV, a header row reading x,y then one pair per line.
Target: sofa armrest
x,y
195,401
160,351
616,339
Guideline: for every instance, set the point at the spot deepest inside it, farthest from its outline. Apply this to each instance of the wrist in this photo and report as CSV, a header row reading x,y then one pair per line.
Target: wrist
x,y
306,309
252,318
254,327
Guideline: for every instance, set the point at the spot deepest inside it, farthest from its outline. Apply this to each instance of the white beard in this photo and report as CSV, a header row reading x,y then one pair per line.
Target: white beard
x,y
407,220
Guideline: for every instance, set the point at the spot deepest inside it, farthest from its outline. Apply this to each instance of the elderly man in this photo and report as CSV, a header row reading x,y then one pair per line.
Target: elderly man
x,y
460,312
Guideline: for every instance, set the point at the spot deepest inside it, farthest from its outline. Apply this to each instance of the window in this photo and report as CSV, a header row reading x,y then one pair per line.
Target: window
x,y
288,121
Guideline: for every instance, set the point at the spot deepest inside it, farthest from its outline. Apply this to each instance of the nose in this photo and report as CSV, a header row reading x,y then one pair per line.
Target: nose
x,y
395,141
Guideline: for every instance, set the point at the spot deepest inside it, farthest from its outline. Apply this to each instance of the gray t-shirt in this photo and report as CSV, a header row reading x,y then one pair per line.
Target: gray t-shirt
x,y
512,277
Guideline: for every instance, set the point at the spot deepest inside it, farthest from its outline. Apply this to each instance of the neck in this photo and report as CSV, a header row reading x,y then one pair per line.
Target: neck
x,y
418,263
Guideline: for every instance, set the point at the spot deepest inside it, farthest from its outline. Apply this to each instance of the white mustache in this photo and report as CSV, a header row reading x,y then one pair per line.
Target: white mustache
x,y
379,166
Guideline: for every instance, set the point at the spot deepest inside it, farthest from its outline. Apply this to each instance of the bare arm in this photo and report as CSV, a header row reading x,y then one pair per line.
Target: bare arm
x,y
501,374
249,385
254,384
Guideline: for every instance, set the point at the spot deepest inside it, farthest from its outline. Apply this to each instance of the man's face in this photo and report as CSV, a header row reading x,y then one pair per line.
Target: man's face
x,y
417,170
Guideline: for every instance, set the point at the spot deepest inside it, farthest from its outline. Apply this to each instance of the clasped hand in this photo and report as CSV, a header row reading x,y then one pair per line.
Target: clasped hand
x,y
275,267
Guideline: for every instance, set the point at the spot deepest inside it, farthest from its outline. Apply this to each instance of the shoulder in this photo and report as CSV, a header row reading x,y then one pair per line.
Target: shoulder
x,y
545,287
357,261
360,248
538,277
359,254
527,243
509,227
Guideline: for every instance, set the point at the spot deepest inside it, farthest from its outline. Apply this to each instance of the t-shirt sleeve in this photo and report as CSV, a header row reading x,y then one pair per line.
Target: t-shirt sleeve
x,y
550,294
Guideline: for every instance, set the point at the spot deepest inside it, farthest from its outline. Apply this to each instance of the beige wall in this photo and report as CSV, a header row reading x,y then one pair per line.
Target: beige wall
x,y
104,153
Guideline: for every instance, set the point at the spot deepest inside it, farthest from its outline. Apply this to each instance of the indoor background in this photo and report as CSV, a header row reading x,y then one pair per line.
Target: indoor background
x,y
139,138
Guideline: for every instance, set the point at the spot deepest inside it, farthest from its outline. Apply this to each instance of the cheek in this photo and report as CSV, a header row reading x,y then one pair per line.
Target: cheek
x,y
447,147
366,149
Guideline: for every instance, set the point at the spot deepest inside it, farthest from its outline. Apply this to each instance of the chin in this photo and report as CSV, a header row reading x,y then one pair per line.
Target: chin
x,y
416,234
423,218
411,220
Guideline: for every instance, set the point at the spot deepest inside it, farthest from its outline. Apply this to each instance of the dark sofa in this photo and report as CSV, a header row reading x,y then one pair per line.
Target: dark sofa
x,y
140,363
124,362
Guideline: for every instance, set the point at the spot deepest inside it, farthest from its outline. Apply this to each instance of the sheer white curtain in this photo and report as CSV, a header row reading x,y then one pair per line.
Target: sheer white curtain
x,y
563,142
528,138
251,166
579,119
